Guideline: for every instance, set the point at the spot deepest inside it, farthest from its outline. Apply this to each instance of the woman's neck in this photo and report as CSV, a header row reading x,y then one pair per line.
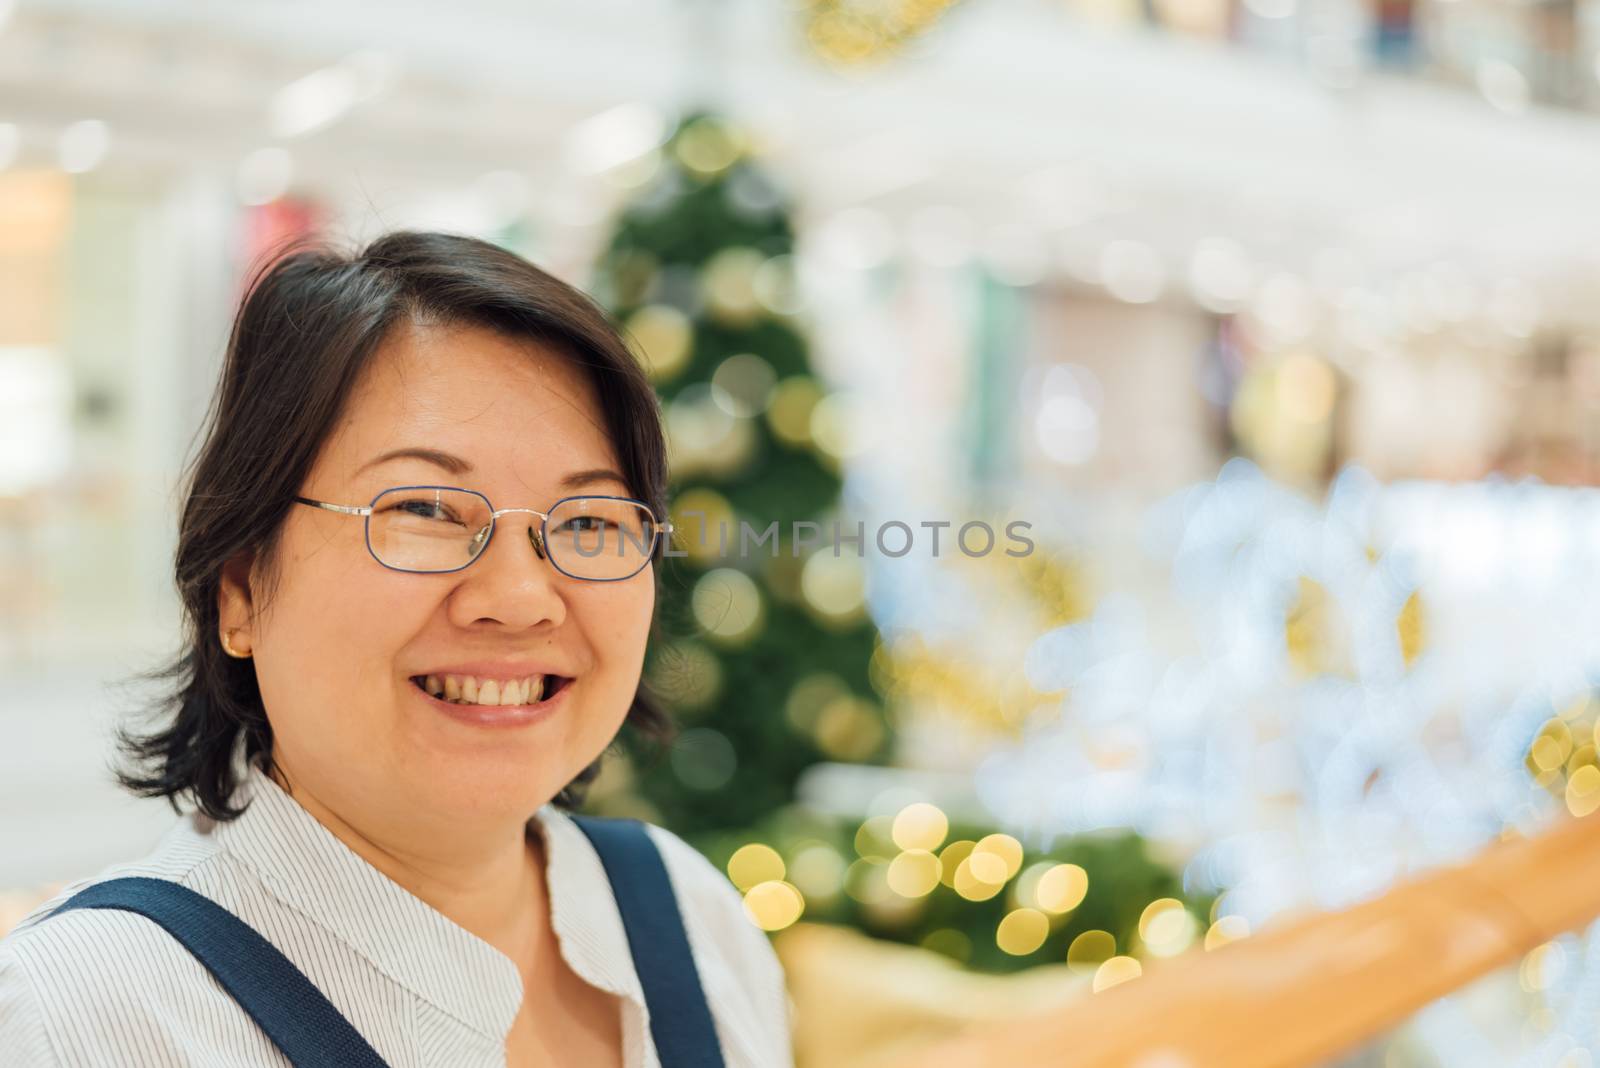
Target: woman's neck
x,y
493,886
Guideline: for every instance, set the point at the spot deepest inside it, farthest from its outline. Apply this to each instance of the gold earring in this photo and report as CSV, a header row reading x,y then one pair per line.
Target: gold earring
x,y
228,648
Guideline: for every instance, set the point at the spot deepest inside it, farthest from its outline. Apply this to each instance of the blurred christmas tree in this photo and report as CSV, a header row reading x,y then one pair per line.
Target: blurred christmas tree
x,y
977,896
769,643
770,663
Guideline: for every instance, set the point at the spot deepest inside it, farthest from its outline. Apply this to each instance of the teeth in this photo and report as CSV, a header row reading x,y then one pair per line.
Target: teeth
x,y
468,689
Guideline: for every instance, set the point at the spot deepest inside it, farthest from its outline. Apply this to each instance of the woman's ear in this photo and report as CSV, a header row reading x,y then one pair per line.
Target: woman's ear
x,y
236,609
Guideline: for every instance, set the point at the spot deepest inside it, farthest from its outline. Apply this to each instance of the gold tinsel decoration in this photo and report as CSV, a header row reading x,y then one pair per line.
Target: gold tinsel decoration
x,y
847,32
1311,630
1413,628
1564,756
1060,591
1040,591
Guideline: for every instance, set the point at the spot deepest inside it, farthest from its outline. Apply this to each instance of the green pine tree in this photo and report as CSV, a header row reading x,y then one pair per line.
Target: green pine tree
x,y
769,661
766,663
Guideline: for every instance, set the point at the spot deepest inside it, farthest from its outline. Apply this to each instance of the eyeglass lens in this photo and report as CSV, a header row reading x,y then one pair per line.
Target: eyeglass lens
x,y
445,529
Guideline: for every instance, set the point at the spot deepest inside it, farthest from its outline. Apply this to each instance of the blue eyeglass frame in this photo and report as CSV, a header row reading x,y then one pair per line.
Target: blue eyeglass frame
x,y
536,535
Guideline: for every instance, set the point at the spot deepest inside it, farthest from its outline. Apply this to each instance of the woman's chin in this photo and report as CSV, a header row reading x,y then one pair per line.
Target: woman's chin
x,y
489,790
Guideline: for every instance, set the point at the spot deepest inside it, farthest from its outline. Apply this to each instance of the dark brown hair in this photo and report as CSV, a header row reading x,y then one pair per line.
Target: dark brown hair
x,y
308,325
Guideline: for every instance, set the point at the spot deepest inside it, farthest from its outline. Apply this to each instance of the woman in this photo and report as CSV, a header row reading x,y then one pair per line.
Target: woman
x,y
417,565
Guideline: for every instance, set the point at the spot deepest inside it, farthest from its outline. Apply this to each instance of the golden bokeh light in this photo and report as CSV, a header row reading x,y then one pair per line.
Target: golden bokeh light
x,y
817,870
1551,746
1542,968
702,438
1025,891
1583,790
1166,928
1005,847
1548,753
789,413
727,605
699,516
728,284
661,337
708,147
1062,888
1584,755
950,858
1022,931
987,868
810,696
835,587
1226,929
1091,949
773,905
969,886
875,838
849,728
1116,970
755,863
838,426
914,873
686,674
867,880
920,826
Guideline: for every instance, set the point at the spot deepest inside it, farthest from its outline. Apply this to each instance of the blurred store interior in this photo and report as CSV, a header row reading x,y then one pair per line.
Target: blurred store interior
x,y
1278,321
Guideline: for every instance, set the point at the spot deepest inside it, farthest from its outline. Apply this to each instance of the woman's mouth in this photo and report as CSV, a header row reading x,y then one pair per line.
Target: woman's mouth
x,y
487,692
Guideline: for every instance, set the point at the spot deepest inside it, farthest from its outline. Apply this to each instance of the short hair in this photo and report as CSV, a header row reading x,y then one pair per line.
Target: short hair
x,y
307,326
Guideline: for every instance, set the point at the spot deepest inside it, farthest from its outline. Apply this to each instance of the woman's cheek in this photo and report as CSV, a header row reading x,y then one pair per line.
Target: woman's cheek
x,y
617,625
626,626
338,638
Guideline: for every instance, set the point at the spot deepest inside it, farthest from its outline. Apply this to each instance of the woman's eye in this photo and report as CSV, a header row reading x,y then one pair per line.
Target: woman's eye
x,y
426,510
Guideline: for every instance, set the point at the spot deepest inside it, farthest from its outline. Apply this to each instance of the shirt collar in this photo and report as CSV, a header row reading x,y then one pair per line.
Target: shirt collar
x,y
588,925
410,941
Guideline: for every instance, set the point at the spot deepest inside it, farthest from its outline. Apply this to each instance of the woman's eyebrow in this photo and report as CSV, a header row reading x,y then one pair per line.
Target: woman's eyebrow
x,y
456,466
598,474
451,463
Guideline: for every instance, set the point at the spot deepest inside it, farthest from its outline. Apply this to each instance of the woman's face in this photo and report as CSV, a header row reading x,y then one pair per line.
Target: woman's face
x,y
341,640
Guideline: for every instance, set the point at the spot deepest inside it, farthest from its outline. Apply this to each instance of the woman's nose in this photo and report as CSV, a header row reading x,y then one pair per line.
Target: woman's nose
x,y
512,581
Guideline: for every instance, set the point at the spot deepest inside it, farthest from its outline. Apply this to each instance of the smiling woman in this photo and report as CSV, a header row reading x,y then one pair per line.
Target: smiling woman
x,y
391,700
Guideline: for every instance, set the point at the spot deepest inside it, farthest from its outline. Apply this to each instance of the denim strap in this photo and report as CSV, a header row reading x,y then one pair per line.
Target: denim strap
x,y
301,1022
680,1020
311,1033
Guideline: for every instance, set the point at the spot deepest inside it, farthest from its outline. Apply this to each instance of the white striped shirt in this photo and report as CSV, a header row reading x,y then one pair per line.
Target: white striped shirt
x,y
95,987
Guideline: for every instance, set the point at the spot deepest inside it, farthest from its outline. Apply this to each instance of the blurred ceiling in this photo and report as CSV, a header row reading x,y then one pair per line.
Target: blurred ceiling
x,y
1025,130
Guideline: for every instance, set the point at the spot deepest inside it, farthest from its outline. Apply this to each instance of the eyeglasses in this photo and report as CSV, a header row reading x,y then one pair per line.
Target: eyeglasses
x,y
436,529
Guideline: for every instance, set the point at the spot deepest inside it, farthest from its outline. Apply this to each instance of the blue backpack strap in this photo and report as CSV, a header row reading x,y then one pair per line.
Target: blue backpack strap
x,y
299,1019
680,1020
